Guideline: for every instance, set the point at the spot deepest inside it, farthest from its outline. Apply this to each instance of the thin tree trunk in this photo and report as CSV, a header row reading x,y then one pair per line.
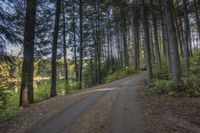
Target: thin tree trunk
x,y
64,45
163,25
152,45
146,43
178,29
175,60
54,50
26,92
91,67
197,16
95,48
187,36
198,3
181,33
108,36
75,47
166,37
97,43
157,49
124,31
136,35
81,42
179,38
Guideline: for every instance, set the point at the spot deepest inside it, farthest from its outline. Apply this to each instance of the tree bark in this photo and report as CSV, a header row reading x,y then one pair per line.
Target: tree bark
x,y
164,36
97,47
81,42
146,42
175,59
64,45
136,35
99,42
197,16
187,36
26,92
75,47
54,49
124,33
151,45
178,25
157,49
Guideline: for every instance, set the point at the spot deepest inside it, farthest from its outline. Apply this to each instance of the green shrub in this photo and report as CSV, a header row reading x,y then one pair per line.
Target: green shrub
x,y
195,64
11,109
8,113
120,74
62,87
189,85
42,90
160,87
187,88
163,73
74,86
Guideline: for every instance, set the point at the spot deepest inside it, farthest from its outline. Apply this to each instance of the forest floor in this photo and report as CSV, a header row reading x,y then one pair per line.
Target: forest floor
x,y
118,107
167,114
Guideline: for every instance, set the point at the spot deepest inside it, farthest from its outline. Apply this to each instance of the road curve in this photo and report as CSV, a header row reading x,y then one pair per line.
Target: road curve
x,y
111,108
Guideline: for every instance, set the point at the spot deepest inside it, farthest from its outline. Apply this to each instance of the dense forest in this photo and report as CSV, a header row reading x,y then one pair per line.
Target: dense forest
x,y
50,47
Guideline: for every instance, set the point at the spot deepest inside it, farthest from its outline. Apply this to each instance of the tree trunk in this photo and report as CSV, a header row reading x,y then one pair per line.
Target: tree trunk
x,y
97,47
99,42
198,3
152,50
75,47
197,16
146,43
136,35
124,30
108,37
54,49
157,49
179,38
31,75
91,67
166,36
163,25
175,60
64,46
187,36
94,34
178,26
81,42
26,92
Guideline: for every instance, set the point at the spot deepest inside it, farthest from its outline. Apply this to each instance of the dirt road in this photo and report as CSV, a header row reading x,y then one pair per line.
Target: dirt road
x,y
122,106
109,108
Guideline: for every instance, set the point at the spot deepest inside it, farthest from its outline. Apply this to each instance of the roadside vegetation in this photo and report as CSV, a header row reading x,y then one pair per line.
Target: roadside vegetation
x,y
10,87
189,86
121,73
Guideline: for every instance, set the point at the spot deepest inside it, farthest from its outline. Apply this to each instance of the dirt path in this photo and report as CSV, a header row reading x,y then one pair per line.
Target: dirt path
x,y
109,108
118,107
126,115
